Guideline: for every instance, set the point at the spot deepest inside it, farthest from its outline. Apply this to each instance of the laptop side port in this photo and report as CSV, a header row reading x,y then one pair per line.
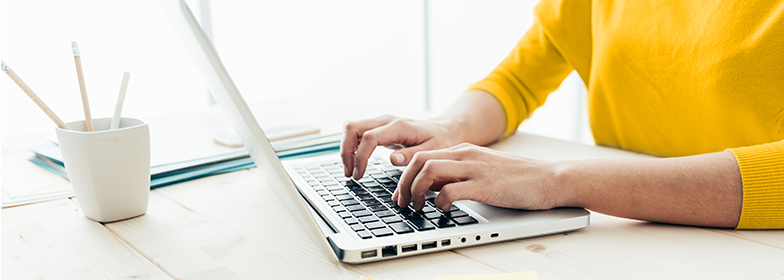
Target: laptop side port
x,y
429,245
408,248
446,242
369,254
389,251
494,235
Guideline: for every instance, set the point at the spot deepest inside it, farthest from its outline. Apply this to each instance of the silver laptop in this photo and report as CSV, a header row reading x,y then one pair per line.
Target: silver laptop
x,y
355,221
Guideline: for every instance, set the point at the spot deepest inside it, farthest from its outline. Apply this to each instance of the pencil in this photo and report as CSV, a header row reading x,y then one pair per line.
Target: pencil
x,y
88,120
33,96
120,100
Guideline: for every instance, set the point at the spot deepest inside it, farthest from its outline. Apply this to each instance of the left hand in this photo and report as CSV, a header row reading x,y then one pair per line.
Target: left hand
x,y
480,174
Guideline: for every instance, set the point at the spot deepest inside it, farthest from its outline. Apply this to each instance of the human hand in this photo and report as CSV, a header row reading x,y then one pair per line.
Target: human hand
x,y
480,174
360,138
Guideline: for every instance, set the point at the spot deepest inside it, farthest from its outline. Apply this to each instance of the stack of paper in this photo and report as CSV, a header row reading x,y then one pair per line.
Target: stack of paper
x,y
48,156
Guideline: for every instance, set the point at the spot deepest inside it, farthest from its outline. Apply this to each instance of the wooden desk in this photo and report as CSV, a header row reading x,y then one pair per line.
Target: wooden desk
x,y
233,226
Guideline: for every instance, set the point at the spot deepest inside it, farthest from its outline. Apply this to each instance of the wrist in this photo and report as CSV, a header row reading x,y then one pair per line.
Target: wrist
x,y
452,130
569,187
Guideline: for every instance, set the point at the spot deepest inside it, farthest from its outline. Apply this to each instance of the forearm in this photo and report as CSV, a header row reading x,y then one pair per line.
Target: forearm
x,y
476,117
703,190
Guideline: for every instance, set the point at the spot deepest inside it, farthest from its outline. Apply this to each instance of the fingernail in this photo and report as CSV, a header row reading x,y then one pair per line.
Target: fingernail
x,y
399,158
356,173
345,170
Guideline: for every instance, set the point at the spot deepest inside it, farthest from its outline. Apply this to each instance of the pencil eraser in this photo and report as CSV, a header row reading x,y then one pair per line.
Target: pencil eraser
x,y
75,48
4,66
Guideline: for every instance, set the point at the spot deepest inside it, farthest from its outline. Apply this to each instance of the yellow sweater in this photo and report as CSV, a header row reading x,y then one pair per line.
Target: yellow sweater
x,y
668,78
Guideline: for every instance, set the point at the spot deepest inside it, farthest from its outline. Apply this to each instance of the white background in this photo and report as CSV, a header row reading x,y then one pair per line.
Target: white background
x,y
373,51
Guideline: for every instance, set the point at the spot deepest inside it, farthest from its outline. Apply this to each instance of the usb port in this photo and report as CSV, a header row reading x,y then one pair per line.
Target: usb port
x,y
429,245
446,242
369,254
409,248
389,251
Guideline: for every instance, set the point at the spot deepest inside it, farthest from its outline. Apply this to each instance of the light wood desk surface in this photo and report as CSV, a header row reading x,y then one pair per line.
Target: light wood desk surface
x,y
233,226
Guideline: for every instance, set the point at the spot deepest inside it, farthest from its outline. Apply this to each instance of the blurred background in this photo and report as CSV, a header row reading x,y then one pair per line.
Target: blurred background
x,y
413,54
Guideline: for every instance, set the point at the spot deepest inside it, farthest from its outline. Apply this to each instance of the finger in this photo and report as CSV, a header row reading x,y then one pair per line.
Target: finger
x,y
402,157
393,133
414,167
438,184
457,191
436,170
352,131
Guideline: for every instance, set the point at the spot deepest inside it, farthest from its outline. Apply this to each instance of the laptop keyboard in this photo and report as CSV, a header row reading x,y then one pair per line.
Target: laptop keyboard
x,y
366,204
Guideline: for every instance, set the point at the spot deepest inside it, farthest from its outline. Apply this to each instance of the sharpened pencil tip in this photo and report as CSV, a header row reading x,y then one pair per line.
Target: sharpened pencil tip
x,y
75,48
4,66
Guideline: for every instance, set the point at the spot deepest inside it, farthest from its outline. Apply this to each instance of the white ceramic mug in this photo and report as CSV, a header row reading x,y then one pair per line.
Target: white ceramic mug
x,y
108,169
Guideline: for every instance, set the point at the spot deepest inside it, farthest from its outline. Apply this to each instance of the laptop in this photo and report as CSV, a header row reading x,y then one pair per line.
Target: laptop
x,y
355,221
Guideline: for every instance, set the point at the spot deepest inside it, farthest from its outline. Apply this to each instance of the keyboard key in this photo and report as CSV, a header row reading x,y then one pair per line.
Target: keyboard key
x,y
372,185
339,208
339,192
391,169
367,219
375,225
366,197
386,213
385,194
360,192
428,209
391,219
381,232
345,215
378,190
386,200
444,223
433,215
351,221
366,180
325,178
354,208
370,203
344,197
347,182
465,221
420,223
394,172
362,213
456,214
454,208
333,203
401,228
349,202
407,213
385,181
364,234
377,207
323,193
357,227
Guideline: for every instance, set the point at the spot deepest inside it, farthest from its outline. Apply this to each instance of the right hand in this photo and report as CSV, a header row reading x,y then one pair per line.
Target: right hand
x,y
360,138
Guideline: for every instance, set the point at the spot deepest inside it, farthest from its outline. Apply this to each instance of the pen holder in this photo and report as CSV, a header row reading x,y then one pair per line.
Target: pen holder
x,y
108,169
